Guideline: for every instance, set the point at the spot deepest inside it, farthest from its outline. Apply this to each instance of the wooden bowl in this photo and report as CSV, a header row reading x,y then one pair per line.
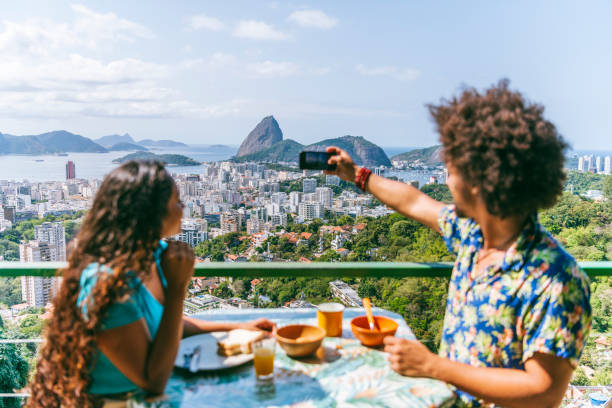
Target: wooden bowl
x,y
367,337
299,340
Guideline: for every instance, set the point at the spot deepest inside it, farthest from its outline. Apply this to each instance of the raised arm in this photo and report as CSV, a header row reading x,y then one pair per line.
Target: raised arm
x,y
401,197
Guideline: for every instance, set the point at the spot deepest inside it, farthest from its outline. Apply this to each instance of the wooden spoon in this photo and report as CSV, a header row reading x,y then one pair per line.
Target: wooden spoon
x,y
368,309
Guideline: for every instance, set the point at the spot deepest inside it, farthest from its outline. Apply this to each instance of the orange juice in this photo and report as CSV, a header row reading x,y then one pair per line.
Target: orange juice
x,y
264,361
329,317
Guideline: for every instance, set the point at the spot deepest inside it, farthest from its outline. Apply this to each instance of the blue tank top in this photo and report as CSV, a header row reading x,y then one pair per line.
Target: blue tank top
x,y
105,377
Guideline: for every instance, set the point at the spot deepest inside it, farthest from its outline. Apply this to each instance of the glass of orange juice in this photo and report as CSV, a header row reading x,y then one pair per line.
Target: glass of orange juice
x,y
329,317
263,358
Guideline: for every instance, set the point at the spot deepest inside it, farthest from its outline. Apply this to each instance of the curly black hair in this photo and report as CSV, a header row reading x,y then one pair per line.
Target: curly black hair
x,y
501,143
121,230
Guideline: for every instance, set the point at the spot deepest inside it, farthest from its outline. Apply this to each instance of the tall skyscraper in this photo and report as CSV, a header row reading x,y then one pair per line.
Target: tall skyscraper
x,y
581,163
607,165
49,246
598,165
70,170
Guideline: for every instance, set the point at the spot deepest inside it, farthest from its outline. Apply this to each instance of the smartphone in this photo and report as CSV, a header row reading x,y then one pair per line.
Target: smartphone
x,y
315,161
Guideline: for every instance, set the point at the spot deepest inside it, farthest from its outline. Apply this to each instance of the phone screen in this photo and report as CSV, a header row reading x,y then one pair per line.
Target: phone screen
x,y
315,161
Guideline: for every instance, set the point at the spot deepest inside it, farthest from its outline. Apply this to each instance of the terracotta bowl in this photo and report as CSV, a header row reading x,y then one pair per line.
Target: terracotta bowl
x,y
299,340
367,337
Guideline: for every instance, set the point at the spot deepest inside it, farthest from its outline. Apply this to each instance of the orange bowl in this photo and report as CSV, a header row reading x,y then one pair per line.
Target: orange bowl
x,y
367,337
299,340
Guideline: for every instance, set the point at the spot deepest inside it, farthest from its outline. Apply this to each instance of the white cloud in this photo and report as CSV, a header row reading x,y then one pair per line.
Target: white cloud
x,y
107,26
258,30
88,29
400,74
313,18
271,69
204,22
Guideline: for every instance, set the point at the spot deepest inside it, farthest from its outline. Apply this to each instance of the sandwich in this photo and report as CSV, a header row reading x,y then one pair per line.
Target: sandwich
x,y
239,341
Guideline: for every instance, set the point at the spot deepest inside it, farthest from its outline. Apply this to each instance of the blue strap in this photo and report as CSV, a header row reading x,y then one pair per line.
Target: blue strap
x,y
163,245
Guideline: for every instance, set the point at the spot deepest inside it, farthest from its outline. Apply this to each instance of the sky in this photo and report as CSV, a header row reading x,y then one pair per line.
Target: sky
x,y
206,72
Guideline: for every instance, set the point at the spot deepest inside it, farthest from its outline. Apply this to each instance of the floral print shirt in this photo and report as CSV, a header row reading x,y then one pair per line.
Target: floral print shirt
x,y
536,301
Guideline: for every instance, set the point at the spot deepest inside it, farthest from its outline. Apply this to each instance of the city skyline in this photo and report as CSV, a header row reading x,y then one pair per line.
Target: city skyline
x,y
205,73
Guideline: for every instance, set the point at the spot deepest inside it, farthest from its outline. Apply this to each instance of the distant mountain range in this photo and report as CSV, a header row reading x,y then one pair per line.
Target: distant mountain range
x,y
61,141
431,156
265,144
58,141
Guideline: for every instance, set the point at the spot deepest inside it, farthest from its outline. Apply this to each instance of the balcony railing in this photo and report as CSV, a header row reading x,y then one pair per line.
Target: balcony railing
x,y
282,269
296,269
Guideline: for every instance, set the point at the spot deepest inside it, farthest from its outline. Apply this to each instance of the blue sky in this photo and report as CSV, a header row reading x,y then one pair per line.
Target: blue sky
x,y
206,72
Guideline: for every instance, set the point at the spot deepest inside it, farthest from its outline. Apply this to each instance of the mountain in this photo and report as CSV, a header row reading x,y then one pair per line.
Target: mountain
x,y
64,141
284,151
362,151
160,143
126,146
265,134
431,156
170,159
110,140
58,141
10,144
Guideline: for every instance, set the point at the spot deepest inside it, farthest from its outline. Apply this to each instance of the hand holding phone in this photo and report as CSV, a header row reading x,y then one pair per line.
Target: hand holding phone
x,y
311,160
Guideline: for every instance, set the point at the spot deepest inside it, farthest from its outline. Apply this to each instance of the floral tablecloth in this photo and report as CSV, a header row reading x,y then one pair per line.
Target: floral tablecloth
x,y
342,374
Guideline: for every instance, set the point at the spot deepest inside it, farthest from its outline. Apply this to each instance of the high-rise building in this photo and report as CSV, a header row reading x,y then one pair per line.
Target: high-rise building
x,y
309,185
324,196
49,246
598,165
332,180
54,235
10,213
230,222
607,165
581,163
310,211
193,232
70,170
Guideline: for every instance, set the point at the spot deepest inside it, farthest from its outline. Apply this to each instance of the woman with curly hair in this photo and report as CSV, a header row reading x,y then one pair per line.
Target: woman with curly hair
x,y
118,318
518,311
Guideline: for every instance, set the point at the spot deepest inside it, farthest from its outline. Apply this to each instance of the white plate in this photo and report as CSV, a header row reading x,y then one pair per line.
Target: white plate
x,y
209,359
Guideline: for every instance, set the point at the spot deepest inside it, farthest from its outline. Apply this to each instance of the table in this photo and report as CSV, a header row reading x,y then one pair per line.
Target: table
x,y
345,374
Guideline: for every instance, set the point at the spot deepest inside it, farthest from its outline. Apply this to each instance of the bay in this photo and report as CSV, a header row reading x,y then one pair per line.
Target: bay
x,y
96,165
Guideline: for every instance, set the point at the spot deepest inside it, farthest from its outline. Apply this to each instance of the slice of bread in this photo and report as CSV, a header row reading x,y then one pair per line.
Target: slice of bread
x,y
238,341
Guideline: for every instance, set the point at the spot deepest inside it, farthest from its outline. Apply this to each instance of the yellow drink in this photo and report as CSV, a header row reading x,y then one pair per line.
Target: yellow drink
x,y
329,317
263,358
264,361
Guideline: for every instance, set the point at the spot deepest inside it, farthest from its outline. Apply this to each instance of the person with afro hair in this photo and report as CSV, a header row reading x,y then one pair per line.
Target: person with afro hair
x,y
518,312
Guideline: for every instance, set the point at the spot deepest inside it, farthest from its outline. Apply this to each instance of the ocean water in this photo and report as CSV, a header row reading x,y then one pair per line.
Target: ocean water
x,y
95,165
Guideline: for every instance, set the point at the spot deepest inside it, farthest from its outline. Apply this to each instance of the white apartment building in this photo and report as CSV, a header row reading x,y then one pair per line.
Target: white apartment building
x,y
332,180
310,211
607,165
309,185
49,246
324,196
193,232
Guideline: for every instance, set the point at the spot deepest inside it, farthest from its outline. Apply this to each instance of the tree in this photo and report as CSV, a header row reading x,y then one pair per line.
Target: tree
x,y
438,192
607,187
366,289
13,374
223,291
31,326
